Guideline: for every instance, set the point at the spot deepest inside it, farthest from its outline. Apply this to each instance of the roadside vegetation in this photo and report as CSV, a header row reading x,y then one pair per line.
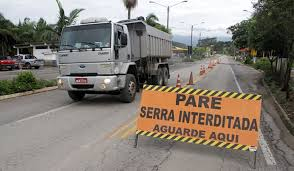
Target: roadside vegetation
x,y
269,35
271,78
24,81
28,31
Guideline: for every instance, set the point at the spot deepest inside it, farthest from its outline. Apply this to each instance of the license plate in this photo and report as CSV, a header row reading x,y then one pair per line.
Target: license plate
x,y
81,80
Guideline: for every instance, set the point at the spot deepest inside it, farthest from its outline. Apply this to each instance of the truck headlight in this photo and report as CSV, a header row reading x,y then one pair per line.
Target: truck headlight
x,y
59,82
116,70
107,81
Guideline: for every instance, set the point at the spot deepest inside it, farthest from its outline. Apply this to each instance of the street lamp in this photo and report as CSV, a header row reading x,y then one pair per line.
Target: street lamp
x,y
168,9
192,29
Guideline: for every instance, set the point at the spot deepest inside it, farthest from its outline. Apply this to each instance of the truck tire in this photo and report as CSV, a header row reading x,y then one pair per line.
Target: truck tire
x,y
28,65
128,93
165,76
158,79
76,95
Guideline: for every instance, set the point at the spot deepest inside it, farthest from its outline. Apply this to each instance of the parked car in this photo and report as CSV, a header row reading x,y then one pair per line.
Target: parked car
x,y
6,63
27,61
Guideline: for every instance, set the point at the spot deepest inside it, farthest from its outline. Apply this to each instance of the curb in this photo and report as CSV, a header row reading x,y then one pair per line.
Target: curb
x,y
28,93
282,112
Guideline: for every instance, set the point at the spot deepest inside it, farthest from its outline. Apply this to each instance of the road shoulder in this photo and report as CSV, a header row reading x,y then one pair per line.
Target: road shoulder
x,y
274,130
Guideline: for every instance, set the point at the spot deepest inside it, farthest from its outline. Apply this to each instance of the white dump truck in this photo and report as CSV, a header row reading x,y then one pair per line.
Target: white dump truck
x,y
103,57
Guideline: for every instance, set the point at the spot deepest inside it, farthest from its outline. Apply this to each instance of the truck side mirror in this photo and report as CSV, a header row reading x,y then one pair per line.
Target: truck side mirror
x,y
124,39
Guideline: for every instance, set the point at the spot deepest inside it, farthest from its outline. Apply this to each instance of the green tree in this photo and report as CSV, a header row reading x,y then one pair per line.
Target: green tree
x,y
43,33
152,20
240,34
7,36
25,31
130,4
275,21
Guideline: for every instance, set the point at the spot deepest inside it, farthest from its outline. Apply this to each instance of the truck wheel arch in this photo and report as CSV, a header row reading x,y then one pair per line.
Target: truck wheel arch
x,y
132,69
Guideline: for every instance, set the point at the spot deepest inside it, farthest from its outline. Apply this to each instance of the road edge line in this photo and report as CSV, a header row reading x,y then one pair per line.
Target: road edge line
x,y
45,113
269,158
10,96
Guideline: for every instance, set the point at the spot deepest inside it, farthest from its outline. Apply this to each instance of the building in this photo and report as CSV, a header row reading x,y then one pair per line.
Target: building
x,y
45,51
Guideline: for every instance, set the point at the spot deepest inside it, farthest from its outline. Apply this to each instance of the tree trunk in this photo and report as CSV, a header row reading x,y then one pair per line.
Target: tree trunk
x,y
287,78
288,71
129,13
276,68
3,48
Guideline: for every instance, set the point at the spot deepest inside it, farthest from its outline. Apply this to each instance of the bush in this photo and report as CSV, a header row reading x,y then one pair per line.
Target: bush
x,y
248,60
6,87
25,81
263,64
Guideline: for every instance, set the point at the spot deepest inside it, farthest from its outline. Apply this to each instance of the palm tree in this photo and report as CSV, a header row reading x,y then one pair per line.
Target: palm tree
x,y
152,19
64,20
43,33
130,4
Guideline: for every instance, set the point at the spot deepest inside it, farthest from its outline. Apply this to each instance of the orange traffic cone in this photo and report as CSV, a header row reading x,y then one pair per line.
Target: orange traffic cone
x,y
213,63
191,82
210,64
201,70
178,82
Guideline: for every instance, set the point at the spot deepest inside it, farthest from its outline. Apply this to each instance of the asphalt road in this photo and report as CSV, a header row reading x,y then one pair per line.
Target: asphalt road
x,y
48,132
46,73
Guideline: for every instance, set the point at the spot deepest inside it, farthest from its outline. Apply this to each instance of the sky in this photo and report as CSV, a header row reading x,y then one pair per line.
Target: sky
x,y
217,15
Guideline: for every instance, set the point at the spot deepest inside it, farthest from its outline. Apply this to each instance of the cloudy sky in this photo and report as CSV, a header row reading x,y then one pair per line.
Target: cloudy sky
x,y
217,14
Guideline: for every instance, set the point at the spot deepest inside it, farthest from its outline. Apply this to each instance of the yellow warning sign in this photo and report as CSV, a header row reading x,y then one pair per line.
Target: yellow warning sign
x,y
215,118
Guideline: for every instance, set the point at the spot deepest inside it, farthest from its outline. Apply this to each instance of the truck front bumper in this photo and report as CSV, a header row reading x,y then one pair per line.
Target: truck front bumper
x,y
94,83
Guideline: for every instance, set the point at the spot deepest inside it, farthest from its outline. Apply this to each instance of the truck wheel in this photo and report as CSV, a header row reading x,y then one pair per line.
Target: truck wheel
x,y
165,76
128,93
28,66
158,79
76,95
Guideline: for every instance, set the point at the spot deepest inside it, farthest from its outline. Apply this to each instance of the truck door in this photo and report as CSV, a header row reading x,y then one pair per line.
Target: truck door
x,y
120,46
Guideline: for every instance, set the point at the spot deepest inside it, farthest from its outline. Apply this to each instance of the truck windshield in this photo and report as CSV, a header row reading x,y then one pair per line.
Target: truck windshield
x,y
86,36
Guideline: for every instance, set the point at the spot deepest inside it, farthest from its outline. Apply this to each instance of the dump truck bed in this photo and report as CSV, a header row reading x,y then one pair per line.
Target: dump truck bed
x,y
147,41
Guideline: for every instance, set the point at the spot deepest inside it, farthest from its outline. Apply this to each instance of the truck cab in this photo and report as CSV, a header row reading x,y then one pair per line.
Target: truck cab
x,y
94,57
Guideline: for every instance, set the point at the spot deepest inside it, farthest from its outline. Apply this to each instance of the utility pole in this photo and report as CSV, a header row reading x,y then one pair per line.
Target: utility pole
x,y
167,22
199,44
192,28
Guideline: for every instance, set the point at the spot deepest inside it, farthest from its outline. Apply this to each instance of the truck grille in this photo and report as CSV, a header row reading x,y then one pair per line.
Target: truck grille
x,y
83,86
83,74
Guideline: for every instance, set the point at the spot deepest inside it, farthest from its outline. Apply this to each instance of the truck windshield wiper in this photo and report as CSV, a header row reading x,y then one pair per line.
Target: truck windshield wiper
x,y
93,45
90,43
67,45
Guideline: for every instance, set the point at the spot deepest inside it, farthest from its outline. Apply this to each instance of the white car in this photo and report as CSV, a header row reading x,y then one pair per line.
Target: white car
x,y
27,61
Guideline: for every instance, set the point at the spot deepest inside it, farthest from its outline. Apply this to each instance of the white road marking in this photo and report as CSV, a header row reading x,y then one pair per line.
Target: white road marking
x,y
269,158
45,113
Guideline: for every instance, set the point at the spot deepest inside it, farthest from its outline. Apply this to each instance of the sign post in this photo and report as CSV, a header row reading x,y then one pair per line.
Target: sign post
x,y
221,119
